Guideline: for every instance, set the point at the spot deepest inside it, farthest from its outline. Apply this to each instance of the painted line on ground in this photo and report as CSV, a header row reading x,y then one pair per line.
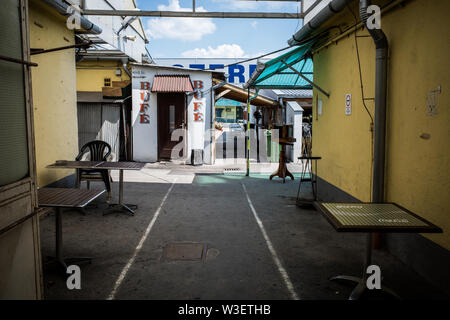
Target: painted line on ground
x,y
281,269
139,246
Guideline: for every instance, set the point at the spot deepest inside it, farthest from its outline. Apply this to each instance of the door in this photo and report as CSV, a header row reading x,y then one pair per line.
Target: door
x,y
171,116
20,256
99,121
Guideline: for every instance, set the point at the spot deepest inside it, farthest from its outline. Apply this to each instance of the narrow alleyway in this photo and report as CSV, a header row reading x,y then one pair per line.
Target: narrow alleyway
x,y
273,251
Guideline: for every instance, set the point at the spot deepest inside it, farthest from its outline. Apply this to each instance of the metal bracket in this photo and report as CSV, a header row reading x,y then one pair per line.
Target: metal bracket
x,y
306,79
28,63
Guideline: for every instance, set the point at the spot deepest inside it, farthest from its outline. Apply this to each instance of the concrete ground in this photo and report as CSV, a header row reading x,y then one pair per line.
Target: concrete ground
x,y
276,251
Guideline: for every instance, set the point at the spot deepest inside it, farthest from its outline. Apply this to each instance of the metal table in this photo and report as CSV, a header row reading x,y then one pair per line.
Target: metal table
x,y
109,165
312,178
59,198
372,217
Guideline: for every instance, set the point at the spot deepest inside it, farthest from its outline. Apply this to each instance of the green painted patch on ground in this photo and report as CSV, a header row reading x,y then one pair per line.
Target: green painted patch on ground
x,y
229,177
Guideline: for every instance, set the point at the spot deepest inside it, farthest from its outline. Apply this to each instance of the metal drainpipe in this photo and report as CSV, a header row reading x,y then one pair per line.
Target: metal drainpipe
x,y
61,7
124,65
326,13
382,47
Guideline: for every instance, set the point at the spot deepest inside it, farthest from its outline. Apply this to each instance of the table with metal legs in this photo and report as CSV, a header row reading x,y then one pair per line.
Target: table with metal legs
x,y
106,165
301,202
60,198
361,282
121,166
369,218
121,205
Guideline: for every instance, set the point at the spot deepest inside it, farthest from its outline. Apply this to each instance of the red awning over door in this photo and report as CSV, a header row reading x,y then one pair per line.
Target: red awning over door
x,y
172,83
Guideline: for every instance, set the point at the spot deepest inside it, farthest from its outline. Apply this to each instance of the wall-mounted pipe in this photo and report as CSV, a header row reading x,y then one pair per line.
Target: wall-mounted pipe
x,y
381,56
125,68
61,7
319,19
259,69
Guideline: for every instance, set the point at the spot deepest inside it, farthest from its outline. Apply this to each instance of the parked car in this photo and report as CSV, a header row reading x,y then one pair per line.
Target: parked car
x,y
235,127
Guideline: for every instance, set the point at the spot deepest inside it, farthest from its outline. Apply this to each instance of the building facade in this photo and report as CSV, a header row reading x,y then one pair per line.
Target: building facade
x,y
417,174
170,103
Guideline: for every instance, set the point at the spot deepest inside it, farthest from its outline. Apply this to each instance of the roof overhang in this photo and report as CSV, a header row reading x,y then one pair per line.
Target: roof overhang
x,y
165,83
292,70
64,9
96,97
232,92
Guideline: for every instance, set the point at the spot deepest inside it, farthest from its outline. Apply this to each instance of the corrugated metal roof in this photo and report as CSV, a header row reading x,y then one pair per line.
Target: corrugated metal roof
x,y
282,72
227,102
295,106
238,94
172,83
293,93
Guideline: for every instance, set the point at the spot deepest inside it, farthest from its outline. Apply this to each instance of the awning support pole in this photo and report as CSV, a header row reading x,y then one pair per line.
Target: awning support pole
x,y
247,134
306,79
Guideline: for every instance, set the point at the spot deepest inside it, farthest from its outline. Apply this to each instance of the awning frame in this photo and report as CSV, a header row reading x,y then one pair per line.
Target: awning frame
x,y
305,78
255,80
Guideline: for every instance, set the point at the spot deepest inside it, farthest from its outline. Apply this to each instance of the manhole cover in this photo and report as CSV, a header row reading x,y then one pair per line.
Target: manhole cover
x,y
185,251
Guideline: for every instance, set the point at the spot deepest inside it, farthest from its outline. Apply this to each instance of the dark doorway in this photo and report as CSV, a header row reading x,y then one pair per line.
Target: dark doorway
x,y
171,116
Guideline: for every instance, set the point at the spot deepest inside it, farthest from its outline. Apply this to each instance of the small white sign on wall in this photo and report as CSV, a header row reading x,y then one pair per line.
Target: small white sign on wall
x,y
348,104
319,107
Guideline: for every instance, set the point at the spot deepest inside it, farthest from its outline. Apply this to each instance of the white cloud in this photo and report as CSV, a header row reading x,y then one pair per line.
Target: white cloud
x,y
254,24
221,51
254,5
185,29
224,51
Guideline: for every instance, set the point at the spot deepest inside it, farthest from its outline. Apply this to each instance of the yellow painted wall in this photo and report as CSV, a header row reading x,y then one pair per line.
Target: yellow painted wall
x,y
54,92
417,170
91,74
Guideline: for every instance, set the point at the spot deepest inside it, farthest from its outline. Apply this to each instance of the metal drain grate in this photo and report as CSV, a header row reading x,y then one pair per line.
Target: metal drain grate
x,y
188,251
232,170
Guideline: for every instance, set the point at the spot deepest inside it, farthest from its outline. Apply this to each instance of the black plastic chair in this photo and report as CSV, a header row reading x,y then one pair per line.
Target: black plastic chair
x,y
99,151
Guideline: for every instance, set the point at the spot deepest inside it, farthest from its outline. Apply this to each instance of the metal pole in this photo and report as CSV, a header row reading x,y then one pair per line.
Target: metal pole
x,y
59,240
190,14
121,187
368,261
247,134
257,141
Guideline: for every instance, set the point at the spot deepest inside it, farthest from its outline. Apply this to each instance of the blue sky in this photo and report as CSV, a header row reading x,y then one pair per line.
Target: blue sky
x,y
200,37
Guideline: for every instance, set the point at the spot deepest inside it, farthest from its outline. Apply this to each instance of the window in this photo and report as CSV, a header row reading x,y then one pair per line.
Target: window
x,y
13,112
107,82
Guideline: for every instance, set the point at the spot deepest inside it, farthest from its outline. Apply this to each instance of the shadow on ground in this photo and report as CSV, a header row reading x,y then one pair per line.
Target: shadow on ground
x,y
214,210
